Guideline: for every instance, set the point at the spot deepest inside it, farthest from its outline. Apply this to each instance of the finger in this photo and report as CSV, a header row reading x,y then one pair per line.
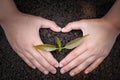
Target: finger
x,y
51,60
72,26
42,60
31,61
77,61
40,67
50,24
47,55
72,55
94,65
39,54
26,60
82,66
36,63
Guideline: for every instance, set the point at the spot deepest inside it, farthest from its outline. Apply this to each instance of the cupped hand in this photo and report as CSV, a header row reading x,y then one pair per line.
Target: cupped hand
x,y
22,32
93,50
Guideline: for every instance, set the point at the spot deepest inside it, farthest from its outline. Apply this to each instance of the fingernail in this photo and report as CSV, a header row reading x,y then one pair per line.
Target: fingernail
x,y
86,72
62,29
60,65
72,73
53,72
45,72
33,67
59,28
56,65
62,71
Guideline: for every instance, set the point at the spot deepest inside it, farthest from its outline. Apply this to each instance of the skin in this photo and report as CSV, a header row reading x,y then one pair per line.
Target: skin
x,y
22,32
96,47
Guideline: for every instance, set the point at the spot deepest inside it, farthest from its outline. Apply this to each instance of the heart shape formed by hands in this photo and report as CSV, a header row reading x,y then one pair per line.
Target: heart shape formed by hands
x,y
49,37
44,61
87,56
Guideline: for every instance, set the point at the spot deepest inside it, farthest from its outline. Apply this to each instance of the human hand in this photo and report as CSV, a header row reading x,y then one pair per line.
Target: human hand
x,y
22,32
93,50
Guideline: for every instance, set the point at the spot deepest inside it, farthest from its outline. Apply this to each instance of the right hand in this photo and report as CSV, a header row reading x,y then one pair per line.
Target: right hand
x,y
94,49
22,32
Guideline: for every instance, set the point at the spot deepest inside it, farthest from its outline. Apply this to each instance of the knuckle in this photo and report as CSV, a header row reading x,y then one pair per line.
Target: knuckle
x,y
69,67
91,68
66,68
49,67
39,66
38,58
77,62
70,23
41,69
65,61
53,22
80,60
51,62
30,64
77,71
32,59
72,64
74,54
91,60
87,62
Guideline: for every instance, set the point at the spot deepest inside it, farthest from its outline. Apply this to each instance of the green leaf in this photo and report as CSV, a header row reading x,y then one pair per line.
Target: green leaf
x,y
59,44
46,47
76,42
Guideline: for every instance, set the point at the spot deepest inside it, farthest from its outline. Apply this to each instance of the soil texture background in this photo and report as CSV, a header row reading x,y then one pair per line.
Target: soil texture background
x,y
12,67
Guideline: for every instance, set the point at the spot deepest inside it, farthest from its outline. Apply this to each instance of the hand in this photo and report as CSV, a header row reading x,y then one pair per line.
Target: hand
x,y
93,50
22,32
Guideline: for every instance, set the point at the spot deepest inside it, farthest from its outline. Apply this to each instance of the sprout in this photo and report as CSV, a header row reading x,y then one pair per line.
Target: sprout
x,y
70,45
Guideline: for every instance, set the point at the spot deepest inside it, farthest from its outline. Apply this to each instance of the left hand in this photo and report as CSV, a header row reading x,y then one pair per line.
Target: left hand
x,y
93,50
22,32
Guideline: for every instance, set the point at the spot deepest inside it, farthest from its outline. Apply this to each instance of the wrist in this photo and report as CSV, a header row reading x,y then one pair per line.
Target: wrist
x,y
10,19
8,16
113,21
7,9
114,24
110,26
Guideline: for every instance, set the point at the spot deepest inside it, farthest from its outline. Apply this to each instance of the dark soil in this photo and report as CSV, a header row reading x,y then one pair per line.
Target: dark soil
x,y
12,67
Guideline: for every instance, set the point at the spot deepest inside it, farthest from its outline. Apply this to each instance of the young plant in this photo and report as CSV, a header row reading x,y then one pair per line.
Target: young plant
x,y
70,45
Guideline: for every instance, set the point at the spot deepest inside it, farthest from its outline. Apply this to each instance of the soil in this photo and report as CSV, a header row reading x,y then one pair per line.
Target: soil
x,y
12,67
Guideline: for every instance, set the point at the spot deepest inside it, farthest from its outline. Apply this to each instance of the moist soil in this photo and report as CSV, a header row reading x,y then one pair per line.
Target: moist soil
x,y
12,67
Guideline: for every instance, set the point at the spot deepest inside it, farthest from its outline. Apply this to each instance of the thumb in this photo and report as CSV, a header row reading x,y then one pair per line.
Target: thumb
x,y
51,24
73,26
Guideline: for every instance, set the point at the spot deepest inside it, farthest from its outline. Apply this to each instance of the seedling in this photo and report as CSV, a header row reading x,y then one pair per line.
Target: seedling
x,y
70,45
